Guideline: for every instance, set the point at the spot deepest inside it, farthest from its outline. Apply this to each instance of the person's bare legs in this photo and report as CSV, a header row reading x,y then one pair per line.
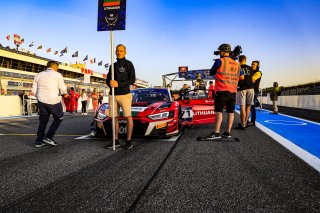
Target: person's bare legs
x,y
230,121
218,122
116,128
248,109
243,114
129,127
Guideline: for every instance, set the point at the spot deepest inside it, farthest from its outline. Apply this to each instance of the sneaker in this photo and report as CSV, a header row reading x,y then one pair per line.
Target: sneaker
x,y
252,123
40,144
213,136
50,141
93,133
110,145
128,145
226,135
85,113
241,126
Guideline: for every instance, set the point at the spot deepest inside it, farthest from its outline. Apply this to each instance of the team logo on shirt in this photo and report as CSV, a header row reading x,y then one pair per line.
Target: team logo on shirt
x,y
122,69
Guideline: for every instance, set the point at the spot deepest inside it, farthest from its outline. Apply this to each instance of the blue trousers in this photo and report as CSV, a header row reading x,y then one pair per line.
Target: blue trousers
x,y
45,110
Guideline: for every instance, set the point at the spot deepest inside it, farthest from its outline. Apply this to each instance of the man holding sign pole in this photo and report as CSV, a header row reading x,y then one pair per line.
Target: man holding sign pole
x,y
111,17
124,76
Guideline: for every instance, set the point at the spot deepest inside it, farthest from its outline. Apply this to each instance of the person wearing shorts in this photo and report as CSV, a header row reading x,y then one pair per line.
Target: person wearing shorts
x,y
245,94
227,74
124,76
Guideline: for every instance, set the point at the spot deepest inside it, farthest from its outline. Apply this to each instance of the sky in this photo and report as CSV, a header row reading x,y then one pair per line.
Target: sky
x,y
161,35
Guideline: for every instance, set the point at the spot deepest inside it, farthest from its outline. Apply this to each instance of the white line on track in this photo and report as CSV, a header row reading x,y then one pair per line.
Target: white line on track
x,y
307,157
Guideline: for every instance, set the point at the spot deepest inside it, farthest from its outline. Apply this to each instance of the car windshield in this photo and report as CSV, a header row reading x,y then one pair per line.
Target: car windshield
x,y
197,94
150,95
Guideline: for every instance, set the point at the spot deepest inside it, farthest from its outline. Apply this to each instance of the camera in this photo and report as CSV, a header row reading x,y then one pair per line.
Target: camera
x,y
233,54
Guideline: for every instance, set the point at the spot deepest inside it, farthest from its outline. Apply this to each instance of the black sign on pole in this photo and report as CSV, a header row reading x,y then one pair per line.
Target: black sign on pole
x,y
111,15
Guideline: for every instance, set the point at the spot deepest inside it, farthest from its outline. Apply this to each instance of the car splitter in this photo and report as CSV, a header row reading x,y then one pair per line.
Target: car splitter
x,y
218,140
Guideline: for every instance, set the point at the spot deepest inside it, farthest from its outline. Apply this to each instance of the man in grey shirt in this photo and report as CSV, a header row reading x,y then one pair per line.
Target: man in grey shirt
x,y
48,86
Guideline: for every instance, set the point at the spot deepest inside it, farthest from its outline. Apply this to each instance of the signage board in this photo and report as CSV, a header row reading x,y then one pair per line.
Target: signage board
x,y
111,15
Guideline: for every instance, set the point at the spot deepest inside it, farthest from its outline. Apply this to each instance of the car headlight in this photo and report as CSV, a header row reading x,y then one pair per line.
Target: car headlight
x,y
101,116
159,116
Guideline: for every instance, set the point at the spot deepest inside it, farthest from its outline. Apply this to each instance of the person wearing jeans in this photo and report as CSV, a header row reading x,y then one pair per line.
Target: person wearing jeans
x,y
47,87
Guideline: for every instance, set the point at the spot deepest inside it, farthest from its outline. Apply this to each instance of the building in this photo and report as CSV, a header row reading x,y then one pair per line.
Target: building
x,y
18,68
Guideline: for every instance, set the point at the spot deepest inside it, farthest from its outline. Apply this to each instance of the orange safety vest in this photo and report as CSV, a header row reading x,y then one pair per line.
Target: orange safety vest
x,y
227,76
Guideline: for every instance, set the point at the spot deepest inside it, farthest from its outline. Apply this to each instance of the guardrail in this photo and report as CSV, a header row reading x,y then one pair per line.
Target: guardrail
x,y
298,101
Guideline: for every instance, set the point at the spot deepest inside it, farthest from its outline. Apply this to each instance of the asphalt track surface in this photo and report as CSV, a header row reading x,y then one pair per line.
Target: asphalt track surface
x,y
256,174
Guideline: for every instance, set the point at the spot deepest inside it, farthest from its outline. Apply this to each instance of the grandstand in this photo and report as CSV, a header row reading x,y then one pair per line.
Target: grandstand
x,y
18,68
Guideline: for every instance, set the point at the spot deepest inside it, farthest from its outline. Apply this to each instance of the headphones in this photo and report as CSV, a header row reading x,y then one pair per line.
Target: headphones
x,y
258,64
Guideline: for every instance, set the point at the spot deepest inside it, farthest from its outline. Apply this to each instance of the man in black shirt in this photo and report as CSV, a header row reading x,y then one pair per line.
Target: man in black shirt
x,y
245,92
256,78
124,76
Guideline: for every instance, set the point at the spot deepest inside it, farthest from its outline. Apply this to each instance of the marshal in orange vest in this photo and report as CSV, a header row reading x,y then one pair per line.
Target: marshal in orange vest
x,y
227,76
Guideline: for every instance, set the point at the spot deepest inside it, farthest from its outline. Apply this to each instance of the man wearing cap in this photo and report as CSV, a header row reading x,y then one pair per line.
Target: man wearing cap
x,y
227,74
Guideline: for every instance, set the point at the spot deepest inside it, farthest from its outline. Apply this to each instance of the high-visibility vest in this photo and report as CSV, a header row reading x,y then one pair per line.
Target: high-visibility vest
x,y
227,75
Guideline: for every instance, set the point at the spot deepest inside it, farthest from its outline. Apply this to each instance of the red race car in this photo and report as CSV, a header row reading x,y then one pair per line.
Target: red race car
x,y
156,114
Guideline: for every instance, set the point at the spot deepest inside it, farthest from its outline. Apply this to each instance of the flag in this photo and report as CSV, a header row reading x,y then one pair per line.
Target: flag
x,y
106,65
31,45
16,39
22,41
40,47
8,37
56,52
100,63
65,50
75,54
92,61
86,58
48,50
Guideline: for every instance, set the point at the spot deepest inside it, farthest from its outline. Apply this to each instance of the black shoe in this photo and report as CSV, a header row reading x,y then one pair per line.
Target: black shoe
x,y
40,144
50,141
213,136
128,145
110,145
226,135
241,126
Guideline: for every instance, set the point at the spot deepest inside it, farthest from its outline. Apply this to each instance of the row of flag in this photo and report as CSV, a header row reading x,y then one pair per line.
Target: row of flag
x,y
18,41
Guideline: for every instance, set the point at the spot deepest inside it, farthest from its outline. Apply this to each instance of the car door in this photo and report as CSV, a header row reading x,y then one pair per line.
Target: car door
x,y
197,108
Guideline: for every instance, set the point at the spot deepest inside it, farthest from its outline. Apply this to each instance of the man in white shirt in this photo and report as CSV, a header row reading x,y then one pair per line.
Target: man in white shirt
x,y
48,86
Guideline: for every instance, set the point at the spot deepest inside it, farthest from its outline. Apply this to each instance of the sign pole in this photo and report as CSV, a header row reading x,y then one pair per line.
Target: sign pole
x,y
112,88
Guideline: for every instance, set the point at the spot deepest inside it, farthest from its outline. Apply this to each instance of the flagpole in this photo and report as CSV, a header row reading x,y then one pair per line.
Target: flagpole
x,y
112,90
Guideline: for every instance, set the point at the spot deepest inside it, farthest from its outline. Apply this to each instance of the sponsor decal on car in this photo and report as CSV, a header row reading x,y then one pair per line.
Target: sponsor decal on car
x,y
204,112
161,125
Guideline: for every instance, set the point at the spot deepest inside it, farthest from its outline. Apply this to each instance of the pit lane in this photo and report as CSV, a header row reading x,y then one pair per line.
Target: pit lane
x,y
182,175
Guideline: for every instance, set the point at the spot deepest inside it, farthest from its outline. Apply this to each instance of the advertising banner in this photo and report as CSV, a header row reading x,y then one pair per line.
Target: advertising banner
x,y
111,15
191,74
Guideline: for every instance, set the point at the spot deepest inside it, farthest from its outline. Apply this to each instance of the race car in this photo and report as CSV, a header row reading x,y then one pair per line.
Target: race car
x,y
156,114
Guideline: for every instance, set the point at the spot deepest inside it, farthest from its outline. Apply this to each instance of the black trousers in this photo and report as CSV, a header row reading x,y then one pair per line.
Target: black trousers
x,y
253,107
45,110
84,106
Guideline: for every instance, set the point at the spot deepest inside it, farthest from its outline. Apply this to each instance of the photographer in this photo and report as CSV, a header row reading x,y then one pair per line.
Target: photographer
x,y
227,74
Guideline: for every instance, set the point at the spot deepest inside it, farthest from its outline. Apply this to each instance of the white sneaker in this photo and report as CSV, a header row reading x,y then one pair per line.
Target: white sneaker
x,y
82,113
85,113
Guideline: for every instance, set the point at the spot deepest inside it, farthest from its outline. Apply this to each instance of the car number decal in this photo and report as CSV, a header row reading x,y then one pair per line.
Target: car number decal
x,y
187,114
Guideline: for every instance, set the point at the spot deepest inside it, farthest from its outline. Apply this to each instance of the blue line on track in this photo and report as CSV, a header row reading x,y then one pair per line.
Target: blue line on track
x,y
302,133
